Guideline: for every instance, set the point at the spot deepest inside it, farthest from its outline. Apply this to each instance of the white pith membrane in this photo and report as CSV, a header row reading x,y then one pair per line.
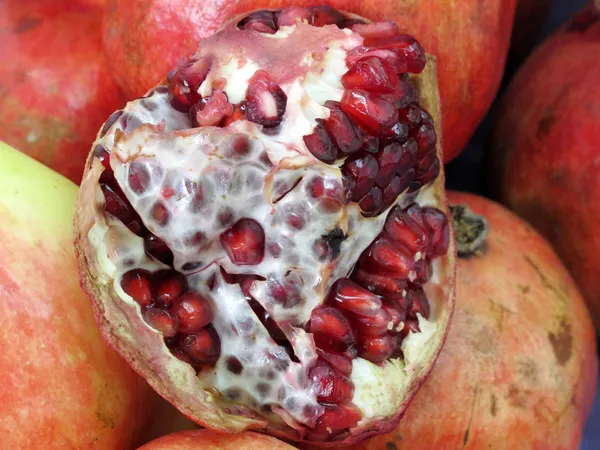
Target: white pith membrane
x,y
172,152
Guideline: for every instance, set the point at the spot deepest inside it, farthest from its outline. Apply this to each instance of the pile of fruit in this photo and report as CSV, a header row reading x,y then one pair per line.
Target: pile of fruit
x,y
261,244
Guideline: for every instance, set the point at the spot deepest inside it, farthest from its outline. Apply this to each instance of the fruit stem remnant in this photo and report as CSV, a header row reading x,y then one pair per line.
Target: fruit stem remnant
x,y
471,230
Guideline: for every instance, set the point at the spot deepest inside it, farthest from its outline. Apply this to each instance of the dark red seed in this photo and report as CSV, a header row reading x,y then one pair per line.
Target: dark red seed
x,y
212,110
103,156
330,385
378,282
405,231
371,145
411,325
320,145
397,314
340,128
402,52
140,174
394,189
396,261
137,284
329,192
109,123
116,205
337,418
437,225
265,100
376,349
180,355
388,160
244,242
286,292
158,249
411,115
161,320
409,156
289,16
370,204
203,346
184,85
349,23
372,113
354,298
422,272
262,21
430,173
160,214
375,325
331,330
193,312
404,95
362,173
373,75
340,362
420,303
386,29
234,365
169,285
425,137
295,217
325,15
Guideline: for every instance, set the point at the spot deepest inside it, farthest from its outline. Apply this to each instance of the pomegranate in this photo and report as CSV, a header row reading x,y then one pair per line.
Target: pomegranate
x,y
471,43
61,385
520,356
209,440
56,87
264,235
545,144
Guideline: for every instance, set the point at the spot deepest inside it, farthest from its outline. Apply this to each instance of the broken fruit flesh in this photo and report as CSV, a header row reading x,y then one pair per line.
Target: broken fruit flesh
x,y
270,233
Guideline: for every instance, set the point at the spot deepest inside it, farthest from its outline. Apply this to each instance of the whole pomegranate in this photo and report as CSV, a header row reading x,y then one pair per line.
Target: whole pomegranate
x,y
518,370
56,86
61,386
146,38
209,440
545,147
264,235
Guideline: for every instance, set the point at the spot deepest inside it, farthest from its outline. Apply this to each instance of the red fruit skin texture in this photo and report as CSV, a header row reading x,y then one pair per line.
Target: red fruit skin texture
x,y
545,148
210,440
56,89
146,38
519,367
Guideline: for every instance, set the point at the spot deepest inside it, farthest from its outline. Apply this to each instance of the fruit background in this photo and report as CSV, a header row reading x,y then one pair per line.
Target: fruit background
x,y
94,93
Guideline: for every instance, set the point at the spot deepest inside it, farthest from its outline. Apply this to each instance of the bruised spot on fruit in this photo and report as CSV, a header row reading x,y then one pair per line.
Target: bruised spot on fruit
x,y
27,24
523,289
546,123
473,403
517,398
493,405
390,446
470,229
562,341
104,415
528,370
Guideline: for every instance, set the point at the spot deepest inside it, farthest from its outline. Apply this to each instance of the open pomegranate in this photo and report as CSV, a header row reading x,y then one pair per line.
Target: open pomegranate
x,y
265,235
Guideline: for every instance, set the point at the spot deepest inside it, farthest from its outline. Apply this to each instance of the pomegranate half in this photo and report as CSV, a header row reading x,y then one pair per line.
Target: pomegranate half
x,y
265,234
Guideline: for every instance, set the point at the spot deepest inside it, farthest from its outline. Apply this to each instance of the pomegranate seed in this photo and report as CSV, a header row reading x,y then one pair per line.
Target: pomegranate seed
x,y
403,96
136,283
320,145
397,314
354,298
211,111
429,172
339,362
388,160
370,204
160,214
158,249
244,242
329,384
109,123
425,137
411,325
289,16
325,15
181,355
422,272
372,113
349,23
116,205
393,260
409,156
161,320
394,189
437,225
265,100
337,418
361,174
375,325
341,129
193,312
203,346
328,191
373,75
238,114
234,365
296,217
411,115
103,156
184,85
377,349
371,145
406,231
377,282
140,175
403,52
287,293
330,329
169,285
262,21
420,303
385,29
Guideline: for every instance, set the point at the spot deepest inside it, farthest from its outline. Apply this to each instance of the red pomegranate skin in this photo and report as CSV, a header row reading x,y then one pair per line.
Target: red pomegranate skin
x,y
518,370
470,41
56,87
210,440
545,147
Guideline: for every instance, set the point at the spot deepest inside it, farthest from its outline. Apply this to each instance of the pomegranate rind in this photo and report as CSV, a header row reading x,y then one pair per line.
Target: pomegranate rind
x,y
177,381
